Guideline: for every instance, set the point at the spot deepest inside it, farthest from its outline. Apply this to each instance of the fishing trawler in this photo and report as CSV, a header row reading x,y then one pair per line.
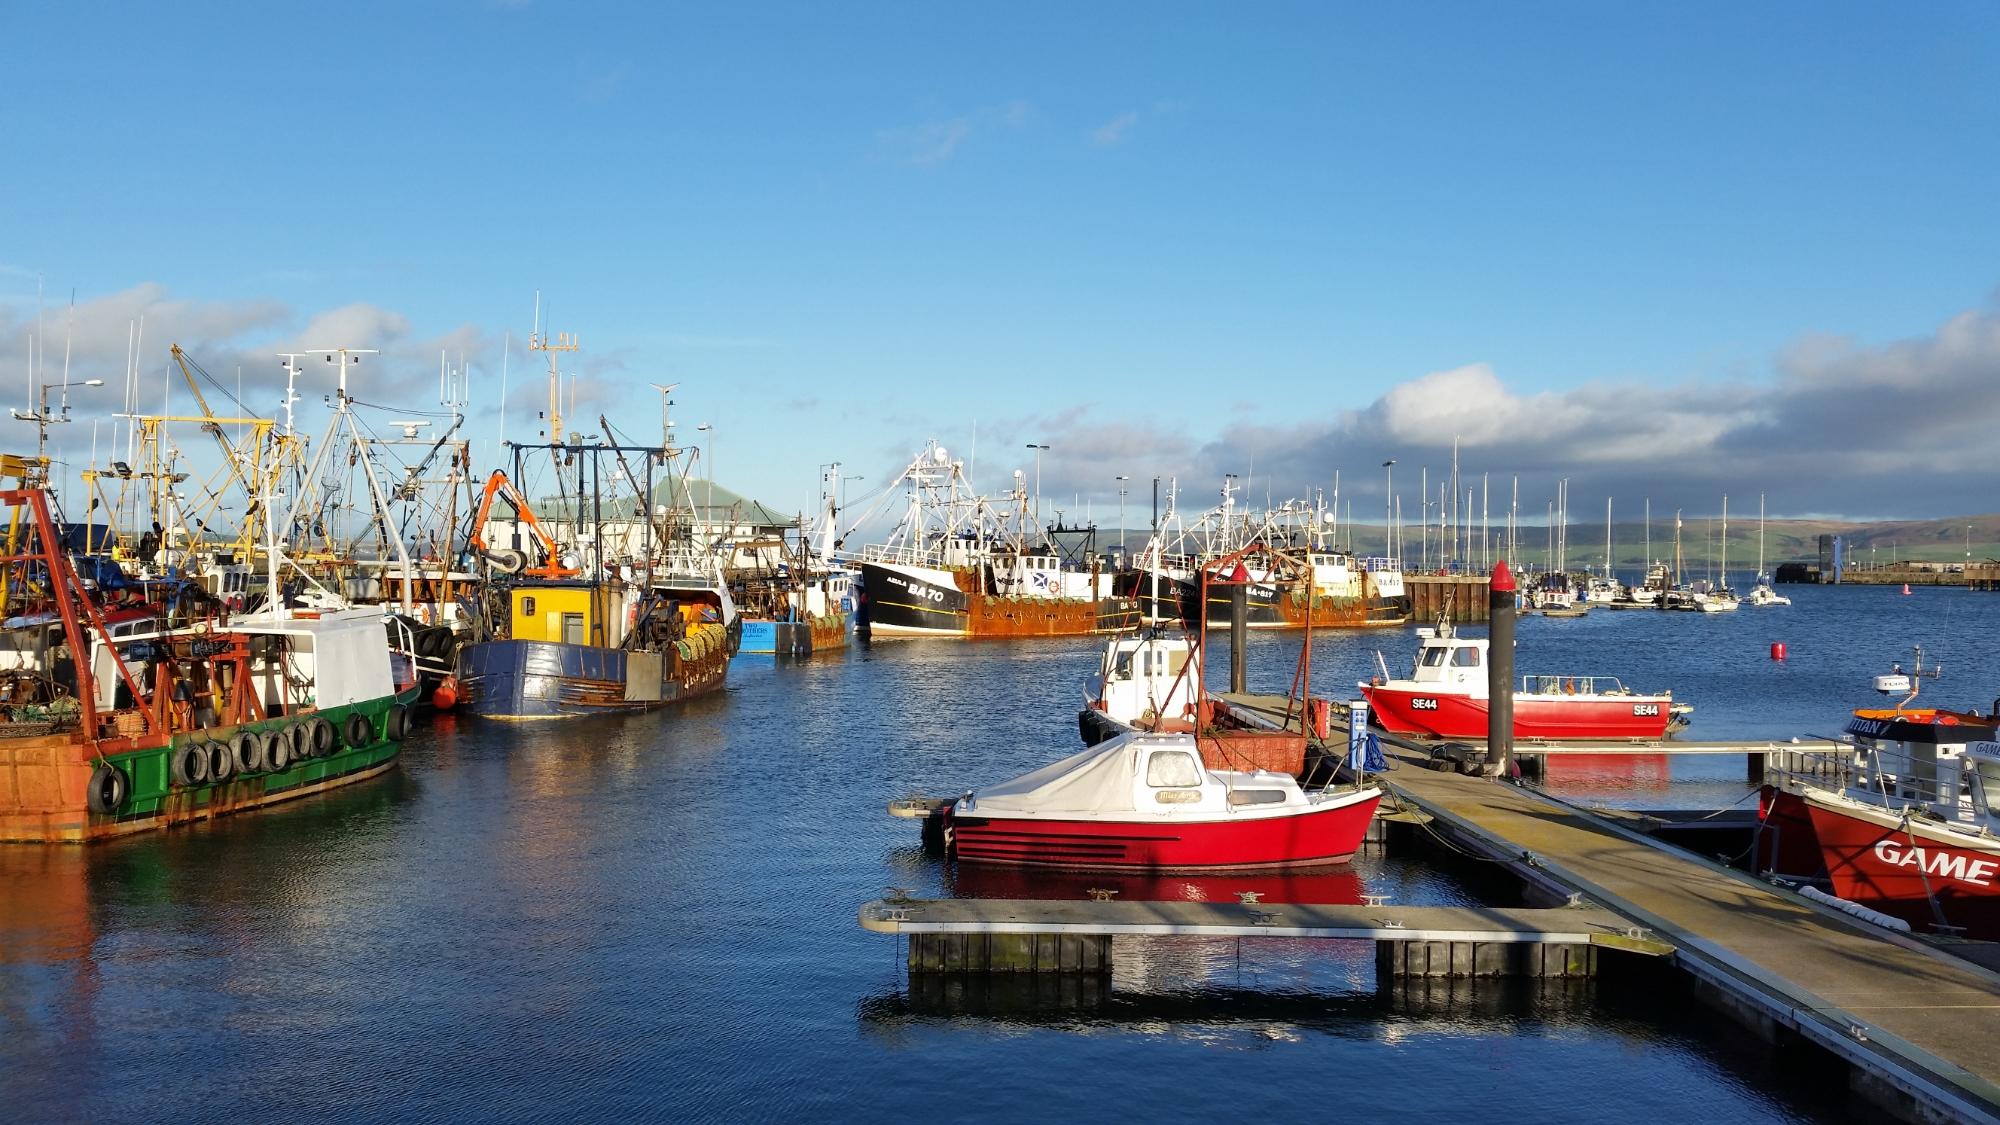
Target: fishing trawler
x,y
1335,591
796,614
804,604
119,722
954,566
614,623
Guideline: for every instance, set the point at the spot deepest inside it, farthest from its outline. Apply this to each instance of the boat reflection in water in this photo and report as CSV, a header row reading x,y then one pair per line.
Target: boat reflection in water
x,y
1608,774
1341,886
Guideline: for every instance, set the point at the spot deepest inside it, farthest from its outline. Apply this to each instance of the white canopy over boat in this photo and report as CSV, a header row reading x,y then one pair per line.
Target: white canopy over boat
x,y
1141,774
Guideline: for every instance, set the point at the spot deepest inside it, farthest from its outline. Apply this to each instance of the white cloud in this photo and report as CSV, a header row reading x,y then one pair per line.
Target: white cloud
x,y
1114,130
939,139
931,142
1901,429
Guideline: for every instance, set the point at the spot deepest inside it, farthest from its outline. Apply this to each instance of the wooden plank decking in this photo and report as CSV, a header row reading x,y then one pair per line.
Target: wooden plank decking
x,y
1920,1019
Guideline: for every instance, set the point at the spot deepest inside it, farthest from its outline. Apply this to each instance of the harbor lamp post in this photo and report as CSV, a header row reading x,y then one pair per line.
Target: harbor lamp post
x,y
43,419
709,449
1388,509
1039,450
1121,522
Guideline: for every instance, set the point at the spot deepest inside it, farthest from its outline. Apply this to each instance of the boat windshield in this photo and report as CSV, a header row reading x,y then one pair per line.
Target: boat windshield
x,y
1435,657
1984,779
1171,769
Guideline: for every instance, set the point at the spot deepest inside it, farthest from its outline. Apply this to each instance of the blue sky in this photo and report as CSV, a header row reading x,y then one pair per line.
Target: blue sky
x,y
1160,237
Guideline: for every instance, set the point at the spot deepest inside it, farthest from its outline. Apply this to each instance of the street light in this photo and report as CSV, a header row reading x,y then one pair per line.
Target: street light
x,y
709,429
1121,521
1039,450
43,419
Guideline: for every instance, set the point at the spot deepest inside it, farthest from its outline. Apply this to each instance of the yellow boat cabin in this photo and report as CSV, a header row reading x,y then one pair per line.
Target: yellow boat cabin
x,y
576,613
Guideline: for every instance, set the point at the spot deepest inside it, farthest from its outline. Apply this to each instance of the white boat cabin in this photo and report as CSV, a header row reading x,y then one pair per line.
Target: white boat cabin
x,y
1935,762
1449,661
1146,676
1334,575
1131,776
337,658
1040,574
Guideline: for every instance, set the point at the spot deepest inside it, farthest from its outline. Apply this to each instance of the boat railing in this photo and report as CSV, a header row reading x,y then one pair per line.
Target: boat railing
x,y
1573,685
687,563
1893,779
899,553
1897,779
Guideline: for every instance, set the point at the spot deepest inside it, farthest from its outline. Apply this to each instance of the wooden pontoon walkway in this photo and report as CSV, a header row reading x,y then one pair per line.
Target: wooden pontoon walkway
x,y
1580,925
1913,1020
1918,1019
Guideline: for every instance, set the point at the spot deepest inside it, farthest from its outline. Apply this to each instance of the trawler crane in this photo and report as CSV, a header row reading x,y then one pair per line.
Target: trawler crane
x,y
498,487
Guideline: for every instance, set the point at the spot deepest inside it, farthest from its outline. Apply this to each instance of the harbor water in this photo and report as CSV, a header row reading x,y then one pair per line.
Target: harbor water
x,y
653,917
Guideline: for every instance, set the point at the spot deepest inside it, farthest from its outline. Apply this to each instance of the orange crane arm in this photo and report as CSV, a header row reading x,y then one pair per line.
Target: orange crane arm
x,y
499,487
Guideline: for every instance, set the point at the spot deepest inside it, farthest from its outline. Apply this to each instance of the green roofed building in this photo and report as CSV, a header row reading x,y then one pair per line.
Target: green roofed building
x,y
707,514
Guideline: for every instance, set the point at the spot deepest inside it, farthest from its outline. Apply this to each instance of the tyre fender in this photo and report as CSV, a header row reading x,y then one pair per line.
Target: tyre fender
x,y
109,787
359,731
221,761
248,749
397,727
324,740
190,764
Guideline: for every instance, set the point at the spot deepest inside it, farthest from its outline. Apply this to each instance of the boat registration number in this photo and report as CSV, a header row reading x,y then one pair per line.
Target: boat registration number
x,y
917,590
1422,704
1646,710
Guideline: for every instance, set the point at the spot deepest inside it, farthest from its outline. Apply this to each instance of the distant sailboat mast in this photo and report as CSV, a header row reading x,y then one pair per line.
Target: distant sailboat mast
x,y
1760,537
1607,538
1725,542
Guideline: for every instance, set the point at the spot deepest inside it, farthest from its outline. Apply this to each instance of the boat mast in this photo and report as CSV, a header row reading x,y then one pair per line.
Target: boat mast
x,y
1677,547
561,342
1725,541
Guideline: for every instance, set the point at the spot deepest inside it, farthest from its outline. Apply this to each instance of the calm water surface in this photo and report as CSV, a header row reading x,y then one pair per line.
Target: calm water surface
x,y
654,918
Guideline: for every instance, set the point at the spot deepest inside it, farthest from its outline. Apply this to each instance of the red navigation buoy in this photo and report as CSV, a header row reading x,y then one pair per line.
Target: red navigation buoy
x,y
1777,650
446,695
1906,588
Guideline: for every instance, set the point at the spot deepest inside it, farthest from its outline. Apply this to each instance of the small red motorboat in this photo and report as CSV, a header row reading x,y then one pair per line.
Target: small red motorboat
x,y
1145,802
1445,697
